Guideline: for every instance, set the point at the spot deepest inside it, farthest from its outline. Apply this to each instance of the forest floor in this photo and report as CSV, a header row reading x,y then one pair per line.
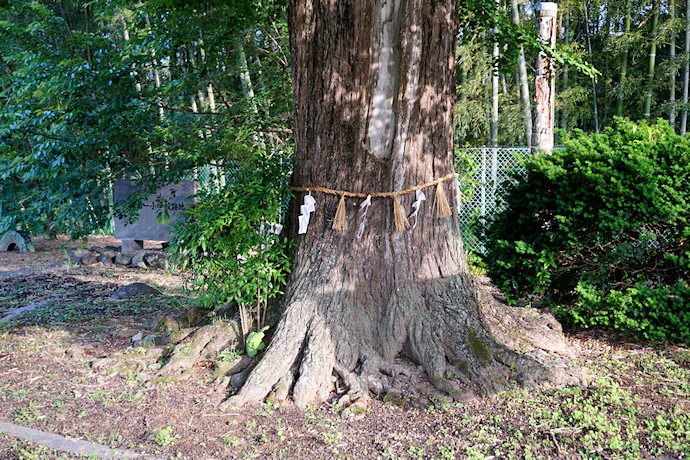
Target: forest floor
x,y
67,367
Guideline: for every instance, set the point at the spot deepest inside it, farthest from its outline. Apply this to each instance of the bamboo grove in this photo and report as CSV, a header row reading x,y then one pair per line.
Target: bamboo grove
x,y
91,92
639,47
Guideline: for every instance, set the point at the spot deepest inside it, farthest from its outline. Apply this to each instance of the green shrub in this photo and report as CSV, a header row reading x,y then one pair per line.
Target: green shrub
x,y
221,242
602,226
654,313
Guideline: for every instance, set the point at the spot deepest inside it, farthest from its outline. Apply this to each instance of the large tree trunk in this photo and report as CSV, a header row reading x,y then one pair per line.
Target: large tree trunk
x,y
374,93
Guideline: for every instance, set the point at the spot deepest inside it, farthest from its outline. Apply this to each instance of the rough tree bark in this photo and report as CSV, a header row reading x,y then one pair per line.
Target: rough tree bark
x,y
374,93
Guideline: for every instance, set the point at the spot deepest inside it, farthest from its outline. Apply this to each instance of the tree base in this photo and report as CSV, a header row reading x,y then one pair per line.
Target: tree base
x,y
309,356
514,344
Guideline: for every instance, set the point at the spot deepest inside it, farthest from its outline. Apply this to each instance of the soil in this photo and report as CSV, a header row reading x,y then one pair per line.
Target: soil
x,y
68,367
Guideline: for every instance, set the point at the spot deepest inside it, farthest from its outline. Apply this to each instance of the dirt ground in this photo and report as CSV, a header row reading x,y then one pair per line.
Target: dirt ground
x,y
68,367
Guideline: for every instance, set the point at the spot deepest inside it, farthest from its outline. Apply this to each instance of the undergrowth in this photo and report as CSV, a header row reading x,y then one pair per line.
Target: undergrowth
x,y
600,228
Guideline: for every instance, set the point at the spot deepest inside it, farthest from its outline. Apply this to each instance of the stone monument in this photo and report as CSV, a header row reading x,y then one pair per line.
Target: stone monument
x,y
173,198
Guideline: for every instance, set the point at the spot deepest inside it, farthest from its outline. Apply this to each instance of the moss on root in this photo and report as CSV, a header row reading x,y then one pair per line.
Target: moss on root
x,y
394,398
479,347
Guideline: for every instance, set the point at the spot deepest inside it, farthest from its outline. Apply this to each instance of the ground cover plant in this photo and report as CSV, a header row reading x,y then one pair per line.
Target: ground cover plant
x,y
65,370
600,228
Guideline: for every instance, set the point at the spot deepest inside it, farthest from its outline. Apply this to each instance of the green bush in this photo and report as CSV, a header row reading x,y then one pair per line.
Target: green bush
x,y
602,228
221,242
654,313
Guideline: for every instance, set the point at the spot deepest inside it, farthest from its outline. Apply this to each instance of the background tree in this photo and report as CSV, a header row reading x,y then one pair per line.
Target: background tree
x,y
69,115
92,93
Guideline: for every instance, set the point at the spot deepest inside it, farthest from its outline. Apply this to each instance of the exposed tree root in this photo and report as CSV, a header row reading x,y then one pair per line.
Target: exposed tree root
x,y
332,346
313,355
204,344
521,329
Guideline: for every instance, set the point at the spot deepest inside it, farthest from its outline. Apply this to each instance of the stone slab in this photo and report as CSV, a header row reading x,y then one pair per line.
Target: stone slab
x,y
71,445
18,311
174,197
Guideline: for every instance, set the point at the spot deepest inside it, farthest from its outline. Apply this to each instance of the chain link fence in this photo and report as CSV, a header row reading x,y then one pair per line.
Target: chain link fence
x,y
483,173
213,178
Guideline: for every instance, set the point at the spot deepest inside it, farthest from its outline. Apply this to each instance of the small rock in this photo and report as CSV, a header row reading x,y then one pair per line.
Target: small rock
x,y
76,254
149,340
161,340
134,289
123,259
137,337
76,351
105,260
157,260
107,256
125,333
236,380
138,259
89,258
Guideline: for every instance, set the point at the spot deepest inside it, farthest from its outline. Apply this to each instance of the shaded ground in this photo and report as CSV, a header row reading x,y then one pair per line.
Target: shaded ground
x,y
66,368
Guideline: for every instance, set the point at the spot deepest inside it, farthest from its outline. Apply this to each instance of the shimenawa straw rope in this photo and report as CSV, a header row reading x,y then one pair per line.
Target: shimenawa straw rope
x,y
347,194
441,206
339,221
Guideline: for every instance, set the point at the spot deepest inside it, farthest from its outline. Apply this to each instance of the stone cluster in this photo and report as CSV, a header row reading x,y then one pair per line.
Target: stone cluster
x,y
109,255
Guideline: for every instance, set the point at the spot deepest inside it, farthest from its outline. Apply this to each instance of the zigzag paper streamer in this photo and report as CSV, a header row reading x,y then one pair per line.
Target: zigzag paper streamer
x,y
419,197
305,213
365,205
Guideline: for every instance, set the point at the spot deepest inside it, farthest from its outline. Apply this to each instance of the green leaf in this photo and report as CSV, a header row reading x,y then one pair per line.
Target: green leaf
x,y
255,341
